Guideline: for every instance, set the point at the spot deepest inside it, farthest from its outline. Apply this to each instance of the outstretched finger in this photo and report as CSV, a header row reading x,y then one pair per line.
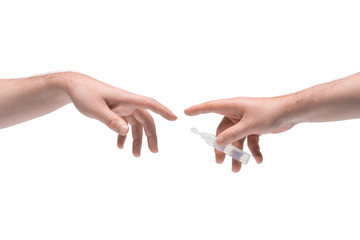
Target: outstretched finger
x,y
217,106
236,164
120,141
137,134
148,123
150,103
224,124
253,144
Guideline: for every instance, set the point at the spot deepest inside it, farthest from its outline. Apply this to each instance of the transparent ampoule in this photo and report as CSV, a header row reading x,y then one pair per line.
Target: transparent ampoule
x,y
229,149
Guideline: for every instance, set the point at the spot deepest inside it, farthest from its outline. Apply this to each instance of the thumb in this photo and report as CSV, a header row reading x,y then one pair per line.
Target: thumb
x,y
114,122
232,134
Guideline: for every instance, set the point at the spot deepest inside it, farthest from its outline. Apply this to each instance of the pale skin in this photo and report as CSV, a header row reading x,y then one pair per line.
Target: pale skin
x,y
24,99
248,118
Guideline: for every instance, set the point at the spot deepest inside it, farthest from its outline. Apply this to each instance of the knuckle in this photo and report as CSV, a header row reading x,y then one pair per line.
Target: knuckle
x,y
145,117
139,115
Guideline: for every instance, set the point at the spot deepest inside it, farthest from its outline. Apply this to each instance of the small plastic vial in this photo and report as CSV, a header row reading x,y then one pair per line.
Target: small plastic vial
x,y
229,149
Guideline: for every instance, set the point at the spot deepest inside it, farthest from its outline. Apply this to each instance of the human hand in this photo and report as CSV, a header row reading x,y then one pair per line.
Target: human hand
x,y
116,108
245,118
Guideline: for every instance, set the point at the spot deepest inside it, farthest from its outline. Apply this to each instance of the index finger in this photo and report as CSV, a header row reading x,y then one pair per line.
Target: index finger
x,y
216,106
153,105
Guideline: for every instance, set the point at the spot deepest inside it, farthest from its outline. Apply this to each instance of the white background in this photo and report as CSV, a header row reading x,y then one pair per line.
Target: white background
x,y
62,177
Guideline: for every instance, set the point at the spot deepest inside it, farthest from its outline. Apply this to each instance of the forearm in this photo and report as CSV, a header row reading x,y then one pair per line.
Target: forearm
x,y
27,98
332,101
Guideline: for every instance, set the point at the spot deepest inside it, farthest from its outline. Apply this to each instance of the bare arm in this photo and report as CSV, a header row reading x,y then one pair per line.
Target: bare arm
x,y
27,98
332,101
251,117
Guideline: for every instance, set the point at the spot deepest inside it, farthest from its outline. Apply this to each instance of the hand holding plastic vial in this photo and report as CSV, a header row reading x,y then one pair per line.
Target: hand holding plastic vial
x,y
229,149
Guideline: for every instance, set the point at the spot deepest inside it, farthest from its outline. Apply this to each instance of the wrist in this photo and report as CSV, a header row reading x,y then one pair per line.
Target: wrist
x,y
60,83
296,107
